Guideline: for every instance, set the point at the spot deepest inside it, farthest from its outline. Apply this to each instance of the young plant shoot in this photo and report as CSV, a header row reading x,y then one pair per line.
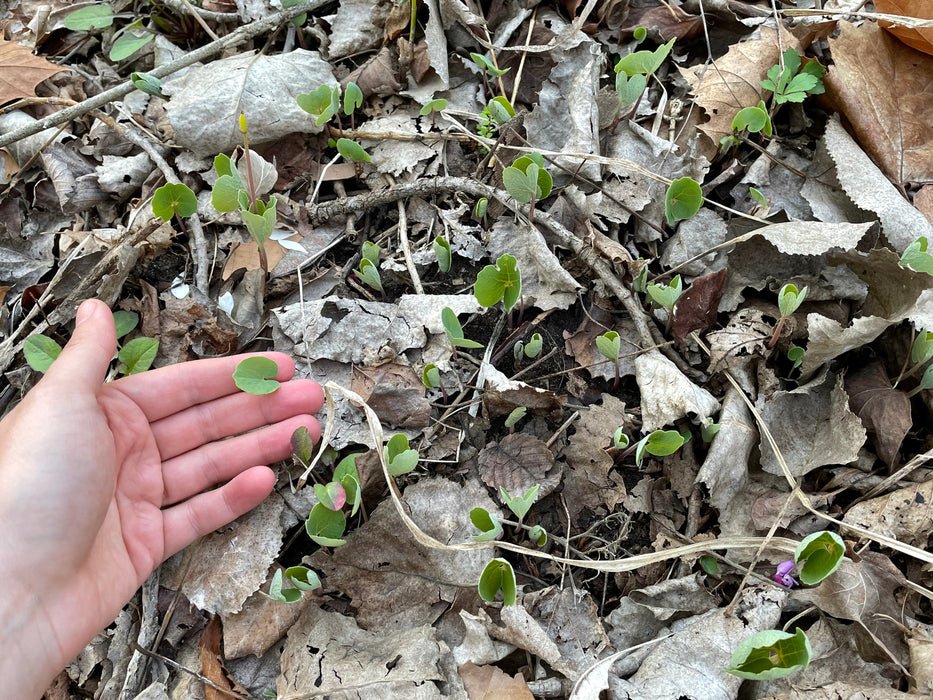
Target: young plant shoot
x,y
609,345
789,300
499,282
771,654
528,181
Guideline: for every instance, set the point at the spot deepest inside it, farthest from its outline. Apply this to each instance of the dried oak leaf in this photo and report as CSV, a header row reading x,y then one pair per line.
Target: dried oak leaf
x,y
491,683
884,411
920,38
884,89
21,70
212,664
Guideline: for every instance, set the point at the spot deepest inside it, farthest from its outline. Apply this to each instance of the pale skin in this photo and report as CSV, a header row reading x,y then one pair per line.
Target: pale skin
x,y
101,482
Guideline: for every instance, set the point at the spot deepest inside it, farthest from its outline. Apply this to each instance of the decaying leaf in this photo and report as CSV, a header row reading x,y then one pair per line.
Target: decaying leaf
x,y
395,392
490,683
212,663
884,410
504,395
518,462
667,394
812,426
895,123
920,38
905,514
697,308
21,70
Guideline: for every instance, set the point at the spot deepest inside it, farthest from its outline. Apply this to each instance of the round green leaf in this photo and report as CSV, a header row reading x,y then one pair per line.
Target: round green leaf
x,y
332,495
303,578
683,200
352,98
502,281
41,351
351,150
326,526
124,321
609,345
137,355
498,575
664,442
256,375
87,18
172,198
147,83
431,376
822,554
771,654
129,43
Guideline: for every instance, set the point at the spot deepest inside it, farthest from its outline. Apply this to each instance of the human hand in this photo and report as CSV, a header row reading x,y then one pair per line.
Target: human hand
x,y
100,483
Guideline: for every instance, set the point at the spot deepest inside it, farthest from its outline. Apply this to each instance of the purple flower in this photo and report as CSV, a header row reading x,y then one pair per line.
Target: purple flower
x,y
783,574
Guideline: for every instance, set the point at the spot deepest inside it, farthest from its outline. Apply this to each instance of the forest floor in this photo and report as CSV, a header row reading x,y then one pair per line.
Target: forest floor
x,y
688,242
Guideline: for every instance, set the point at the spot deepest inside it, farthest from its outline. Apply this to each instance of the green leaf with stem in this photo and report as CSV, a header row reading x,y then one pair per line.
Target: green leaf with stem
x,y
630,88
771,654
666,295
488,525
759,198
659,443
303,578
325,526
302,446
754,119
322,102
40,352
137,355
682,200
520,505
352,151
487,67
282,595
256,375
795,354
609,345
917,258
644,62
619,439
128,41
88,18
433,106
400,458
174,198
124,322
371,251
352,98
534,346
369,273
455,331
821,554
790,86
261,224
346,474
790,298
538,536
500,281
146,83
442,253
498,576
709,430
926,382
500,110
331,495
431,376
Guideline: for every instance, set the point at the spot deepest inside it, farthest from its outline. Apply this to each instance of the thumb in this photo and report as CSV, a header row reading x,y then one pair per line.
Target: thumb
x,y
86,357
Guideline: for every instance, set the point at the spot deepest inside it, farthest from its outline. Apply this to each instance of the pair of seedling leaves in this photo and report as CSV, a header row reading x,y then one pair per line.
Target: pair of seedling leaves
x,y
135,356
127,40
772,654
323,103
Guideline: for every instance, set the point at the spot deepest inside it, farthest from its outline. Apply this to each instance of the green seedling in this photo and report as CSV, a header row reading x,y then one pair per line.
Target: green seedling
x,y
498,576
326,526
516,415
346,474
818,556
322,103
369,274
527,180
790,86
282,595
659,443
922,349
502,281
755,120
640,278
431,378
174,199
432,108
520,505
639,35
789,300
632,73
620,440
771,654
795,354
352,100
352,151
303,578
455,331
609,345
682,200
666,296
534,346
331,495
442,253
709,564
538,536
41,351
371,251
926,382
400,458
479,211
137,355
300,19
146,83
488,525
256,375
126,40
496,113
124,322
709,430
88,18
488,68
916,257
302,446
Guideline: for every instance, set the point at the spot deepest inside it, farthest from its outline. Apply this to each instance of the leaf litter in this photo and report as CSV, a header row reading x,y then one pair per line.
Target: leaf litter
x,y
617,601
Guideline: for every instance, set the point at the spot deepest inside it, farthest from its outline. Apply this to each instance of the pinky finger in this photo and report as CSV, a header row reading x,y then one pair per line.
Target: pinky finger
x,y
204,513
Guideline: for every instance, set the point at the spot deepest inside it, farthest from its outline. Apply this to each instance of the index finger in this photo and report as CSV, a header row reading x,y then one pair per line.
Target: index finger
x,y
168,390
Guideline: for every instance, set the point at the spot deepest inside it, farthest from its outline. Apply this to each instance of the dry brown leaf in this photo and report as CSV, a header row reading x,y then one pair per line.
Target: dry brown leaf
x,y
490,683
212,664
733,82
885,411
920,38
923,200
697,309
518,462
921,659
905,514
21,70
884,89
247,255
842,691
395,392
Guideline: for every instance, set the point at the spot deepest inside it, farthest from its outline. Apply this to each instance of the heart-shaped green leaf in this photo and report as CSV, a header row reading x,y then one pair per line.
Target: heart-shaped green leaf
x,y
174,198
40,352
400,459
256,375
502,281
124,321
822,554
325,526
488,524
771,654
332,495
369,273
498,576
683,200
455,330
352,151
303,578
609,345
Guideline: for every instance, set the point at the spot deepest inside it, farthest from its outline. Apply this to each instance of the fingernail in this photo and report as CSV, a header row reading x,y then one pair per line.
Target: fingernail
x,y
85,311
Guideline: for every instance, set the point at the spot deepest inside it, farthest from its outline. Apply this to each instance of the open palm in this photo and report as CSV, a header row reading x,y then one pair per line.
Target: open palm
x,y
102,482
